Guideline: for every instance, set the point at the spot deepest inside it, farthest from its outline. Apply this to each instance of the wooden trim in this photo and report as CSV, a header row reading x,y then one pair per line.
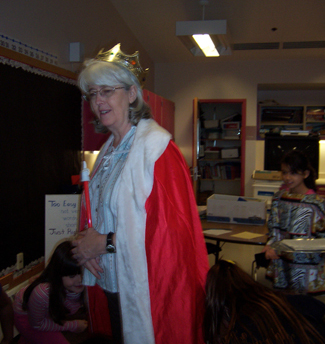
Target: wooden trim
x,y
13,282
243,146
7,279
243,133
10,54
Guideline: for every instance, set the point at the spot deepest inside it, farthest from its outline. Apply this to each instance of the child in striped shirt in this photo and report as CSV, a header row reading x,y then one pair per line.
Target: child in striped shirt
x,y
42,310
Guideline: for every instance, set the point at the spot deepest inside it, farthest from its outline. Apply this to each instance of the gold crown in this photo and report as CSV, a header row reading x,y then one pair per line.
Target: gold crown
x,y
130,62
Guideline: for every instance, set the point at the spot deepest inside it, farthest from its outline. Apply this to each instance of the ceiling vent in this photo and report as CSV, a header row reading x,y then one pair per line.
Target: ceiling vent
x,y
304,45
277,45
256,46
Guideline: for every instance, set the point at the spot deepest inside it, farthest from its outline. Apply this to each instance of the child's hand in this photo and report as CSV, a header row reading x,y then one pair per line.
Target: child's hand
x,y
81,326
270,252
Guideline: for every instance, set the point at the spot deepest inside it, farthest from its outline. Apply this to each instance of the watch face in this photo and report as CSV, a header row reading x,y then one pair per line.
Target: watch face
x,y
110,248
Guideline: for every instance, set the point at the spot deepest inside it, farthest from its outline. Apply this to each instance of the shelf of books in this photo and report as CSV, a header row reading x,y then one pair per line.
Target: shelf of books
x,y
219,159
211,170
276,119
315,120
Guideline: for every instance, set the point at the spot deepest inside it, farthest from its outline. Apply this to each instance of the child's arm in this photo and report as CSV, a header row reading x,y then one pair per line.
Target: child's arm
x,y
273,219
38,312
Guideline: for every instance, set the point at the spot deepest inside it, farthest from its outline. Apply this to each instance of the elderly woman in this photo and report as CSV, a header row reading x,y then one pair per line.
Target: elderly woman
x,y
146,249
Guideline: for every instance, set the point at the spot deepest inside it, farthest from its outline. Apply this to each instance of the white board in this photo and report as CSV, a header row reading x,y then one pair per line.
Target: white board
x,y
61,220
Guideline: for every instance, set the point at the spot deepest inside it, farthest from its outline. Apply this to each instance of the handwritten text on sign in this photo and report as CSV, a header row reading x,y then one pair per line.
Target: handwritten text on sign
x,y
61,219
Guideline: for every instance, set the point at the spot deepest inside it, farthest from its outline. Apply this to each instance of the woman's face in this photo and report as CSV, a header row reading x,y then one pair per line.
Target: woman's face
x,y
111,106
73,283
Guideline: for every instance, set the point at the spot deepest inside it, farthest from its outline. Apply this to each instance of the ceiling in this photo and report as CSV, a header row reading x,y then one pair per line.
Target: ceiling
x,y
250,21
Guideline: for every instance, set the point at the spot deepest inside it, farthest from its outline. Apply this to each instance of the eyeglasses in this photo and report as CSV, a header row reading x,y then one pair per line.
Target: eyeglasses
x,y
104,92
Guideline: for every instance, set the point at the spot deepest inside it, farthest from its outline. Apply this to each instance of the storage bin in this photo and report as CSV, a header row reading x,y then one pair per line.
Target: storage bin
x,y
236,209
214,123
227,153
265,190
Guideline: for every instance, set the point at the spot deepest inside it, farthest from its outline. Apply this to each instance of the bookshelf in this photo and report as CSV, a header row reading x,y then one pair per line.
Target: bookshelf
x,y
219,148
274,119
315,119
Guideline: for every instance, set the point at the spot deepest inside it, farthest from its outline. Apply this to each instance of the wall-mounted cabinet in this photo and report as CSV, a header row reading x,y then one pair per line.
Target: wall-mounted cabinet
x,y
163,111
274,119
218,147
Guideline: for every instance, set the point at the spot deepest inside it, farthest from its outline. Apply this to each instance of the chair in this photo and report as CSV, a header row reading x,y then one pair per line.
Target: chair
x,y
213,249
259,262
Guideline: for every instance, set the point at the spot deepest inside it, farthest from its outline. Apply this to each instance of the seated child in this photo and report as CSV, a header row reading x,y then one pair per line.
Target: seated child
x,y
297,212
241,310
6,317
43,310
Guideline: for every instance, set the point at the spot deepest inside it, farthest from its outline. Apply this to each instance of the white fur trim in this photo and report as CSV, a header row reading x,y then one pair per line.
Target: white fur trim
x,y
133,188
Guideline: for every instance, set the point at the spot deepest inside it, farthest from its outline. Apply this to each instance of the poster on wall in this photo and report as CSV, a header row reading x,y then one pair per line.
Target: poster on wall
x,y
61,220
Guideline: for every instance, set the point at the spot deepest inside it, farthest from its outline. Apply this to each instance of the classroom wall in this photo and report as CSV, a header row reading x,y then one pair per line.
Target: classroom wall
x,y
228,79
52,25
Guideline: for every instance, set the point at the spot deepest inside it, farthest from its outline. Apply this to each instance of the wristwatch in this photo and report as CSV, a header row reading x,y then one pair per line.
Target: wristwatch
x,y
110,247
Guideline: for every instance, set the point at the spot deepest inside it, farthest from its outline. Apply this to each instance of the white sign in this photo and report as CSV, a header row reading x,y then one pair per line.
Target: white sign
x,y
61,220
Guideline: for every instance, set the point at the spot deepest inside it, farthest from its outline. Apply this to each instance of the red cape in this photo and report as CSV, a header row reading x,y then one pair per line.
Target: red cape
x,y
176,256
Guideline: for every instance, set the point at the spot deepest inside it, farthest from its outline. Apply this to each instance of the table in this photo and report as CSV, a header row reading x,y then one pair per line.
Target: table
x,y
238,230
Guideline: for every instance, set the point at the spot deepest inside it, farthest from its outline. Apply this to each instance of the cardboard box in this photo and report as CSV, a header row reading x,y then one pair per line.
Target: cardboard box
x,y
267,175
212,154
231,134
236,209
229,153
230,125
214,123
213,136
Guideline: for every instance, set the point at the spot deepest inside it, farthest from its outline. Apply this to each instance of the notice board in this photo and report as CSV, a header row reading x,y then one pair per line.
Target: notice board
x,y
61,220
46,148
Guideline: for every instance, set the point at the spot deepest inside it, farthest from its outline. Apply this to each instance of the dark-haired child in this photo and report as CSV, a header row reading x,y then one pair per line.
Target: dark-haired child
x,y
42,309
240,310
6,317
296,212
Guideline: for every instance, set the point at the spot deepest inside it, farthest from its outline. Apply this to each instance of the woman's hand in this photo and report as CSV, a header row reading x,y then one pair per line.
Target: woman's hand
x,y
270,252
81,326
93,266
88,244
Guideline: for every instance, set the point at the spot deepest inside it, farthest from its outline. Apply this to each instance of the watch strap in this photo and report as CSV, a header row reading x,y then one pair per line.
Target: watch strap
x,y
110,247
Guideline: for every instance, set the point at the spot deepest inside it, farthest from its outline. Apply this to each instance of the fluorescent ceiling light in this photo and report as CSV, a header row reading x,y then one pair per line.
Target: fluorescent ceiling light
x,y
216,29
206,45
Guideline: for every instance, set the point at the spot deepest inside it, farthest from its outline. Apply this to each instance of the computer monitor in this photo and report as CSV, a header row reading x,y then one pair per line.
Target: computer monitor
x,y
277,146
